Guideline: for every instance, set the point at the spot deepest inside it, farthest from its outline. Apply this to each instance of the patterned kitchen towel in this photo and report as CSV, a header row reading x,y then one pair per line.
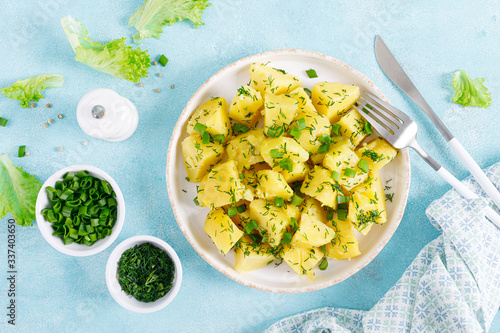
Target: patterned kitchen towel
x,y
453,285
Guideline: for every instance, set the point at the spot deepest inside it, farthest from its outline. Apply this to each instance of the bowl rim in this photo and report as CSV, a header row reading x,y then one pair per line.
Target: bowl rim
x,y
235,275
88,250
115,256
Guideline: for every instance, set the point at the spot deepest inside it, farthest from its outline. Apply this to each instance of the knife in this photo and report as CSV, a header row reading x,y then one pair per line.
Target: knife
x,y
398,76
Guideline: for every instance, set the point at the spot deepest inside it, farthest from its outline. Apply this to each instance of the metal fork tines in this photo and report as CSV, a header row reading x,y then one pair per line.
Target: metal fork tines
x,y
401,132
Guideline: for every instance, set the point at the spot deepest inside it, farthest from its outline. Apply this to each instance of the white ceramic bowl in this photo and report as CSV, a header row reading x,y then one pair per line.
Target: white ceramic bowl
x,y
128,302
78,250
191,218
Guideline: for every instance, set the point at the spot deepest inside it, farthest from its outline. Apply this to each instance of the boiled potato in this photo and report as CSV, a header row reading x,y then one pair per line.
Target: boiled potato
x,y
245,106
271,184
303,260
333,99
249,256
279,111
363,213
312,232
319,185
373,189
199,157
274,150
377,153
245,148
316,125
267,79
212,114
221,229
222,186
345,244
274,220
352,126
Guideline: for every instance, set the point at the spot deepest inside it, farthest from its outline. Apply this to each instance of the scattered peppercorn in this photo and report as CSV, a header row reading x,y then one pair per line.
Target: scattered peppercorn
x,y
60,116
27,153
32,105
84,143
45,124
157,90
48,105
155,63
59,149
140,84
172,86
51,121
160,74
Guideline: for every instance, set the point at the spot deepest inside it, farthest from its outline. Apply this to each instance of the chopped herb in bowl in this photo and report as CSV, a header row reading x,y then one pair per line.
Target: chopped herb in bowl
x,y
145,272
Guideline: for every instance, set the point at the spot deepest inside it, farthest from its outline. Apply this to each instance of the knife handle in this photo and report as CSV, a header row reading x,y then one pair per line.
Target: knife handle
x,y
476,171
468,194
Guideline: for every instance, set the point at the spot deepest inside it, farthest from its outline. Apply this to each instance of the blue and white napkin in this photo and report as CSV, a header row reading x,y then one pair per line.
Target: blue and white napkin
x,y
453,285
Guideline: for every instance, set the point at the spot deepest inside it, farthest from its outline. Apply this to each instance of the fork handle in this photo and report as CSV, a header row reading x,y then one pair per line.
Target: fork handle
x,y
476,171
468,194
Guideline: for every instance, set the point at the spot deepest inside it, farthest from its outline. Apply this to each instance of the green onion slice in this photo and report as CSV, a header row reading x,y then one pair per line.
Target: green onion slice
x,y
323,264
363,165
286,164
278,202
301,124
239,128
200,128
336,129
342,214
251,226
3,122
342,199
232,211
287,238
21,151
295,132
335,175
368,128
351,173
311,73
163,60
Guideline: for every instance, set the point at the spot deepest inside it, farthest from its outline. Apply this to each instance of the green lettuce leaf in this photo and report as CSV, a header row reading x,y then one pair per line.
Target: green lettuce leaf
x,y
30,89
18,192
115,58
470,92
154,14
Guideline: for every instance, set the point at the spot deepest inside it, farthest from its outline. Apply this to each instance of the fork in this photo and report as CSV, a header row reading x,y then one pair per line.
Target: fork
x,y
401,132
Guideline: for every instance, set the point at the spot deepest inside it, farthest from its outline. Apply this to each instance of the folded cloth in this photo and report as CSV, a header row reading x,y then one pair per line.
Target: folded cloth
x,y
453,285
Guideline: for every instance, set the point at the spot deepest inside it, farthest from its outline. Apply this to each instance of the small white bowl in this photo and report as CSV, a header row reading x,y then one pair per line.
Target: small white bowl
x,y
78,250
129,302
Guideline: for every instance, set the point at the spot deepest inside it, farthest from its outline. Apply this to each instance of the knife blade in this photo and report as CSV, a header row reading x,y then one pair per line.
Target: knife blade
x,y
391,67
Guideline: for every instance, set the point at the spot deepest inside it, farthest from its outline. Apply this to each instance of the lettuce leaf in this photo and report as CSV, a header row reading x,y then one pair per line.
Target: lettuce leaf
x,y
470,92
30,89
115,58
154,14
18,192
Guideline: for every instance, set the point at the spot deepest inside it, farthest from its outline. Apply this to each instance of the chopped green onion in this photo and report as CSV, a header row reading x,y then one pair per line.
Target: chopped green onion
x,y
324,148
195,200
271,132
205,138
239,128
351,173
336,129
323,264
21,151
297,199
363,165
163,60
342,199
301,124
278,202
308,92
287,238
220,138
286,164
311,73
294,225
329,214
279,131
3,122
232,211
241,208
323,249
325,138
200,128
295,132
242,175
342,214
368,128
275,153
335,175
251,226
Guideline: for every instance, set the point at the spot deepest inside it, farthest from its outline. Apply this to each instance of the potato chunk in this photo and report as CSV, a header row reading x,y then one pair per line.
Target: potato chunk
x,y
303,261
279,110
352,126
377,153
277,149
274,220
333,99
245,106
363,213
199,157
344,245
221,229
222,186
316,125
319,185
249,256
212,114
267,79
245,148
300,95
271,184
312,232
373,189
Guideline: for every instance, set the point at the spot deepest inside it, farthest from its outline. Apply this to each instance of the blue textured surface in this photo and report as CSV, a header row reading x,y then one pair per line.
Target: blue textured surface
x,y
61,293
